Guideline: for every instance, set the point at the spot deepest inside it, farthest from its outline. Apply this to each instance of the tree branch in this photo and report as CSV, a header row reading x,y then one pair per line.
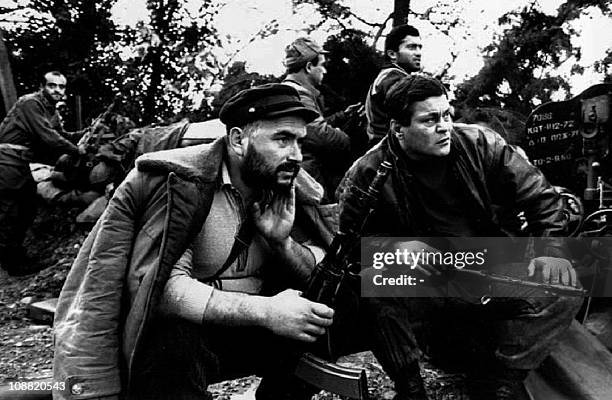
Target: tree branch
x,y
380,31
260,34
8,10
360,19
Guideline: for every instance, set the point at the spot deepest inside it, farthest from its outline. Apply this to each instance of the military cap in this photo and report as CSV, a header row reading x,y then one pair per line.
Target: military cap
x,y
267,101
301,51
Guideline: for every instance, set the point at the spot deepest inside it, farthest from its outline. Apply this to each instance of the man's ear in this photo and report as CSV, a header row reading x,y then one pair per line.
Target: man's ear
x,y
392,54
238,140
308,67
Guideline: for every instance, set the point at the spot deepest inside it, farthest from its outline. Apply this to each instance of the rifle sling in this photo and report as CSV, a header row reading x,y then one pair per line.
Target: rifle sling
x,y
242,241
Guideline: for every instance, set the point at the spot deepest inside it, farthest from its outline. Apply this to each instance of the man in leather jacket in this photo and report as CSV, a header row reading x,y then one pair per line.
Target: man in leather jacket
x,y
450,180
191,275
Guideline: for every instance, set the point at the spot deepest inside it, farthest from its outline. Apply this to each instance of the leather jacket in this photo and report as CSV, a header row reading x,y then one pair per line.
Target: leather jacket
x,y
491,174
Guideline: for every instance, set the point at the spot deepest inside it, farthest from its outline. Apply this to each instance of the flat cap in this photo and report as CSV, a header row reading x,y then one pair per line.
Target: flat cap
x,y
301,51
267,101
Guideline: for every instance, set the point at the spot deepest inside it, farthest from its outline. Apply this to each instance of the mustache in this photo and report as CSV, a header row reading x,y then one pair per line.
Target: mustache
x,y
289,166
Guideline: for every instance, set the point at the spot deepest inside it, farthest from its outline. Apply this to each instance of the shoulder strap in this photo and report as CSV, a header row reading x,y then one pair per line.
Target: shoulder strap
x,y
242,241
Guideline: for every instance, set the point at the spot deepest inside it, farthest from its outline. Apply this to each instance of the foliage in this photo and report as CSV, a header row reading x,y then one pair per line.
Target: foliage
x,y
162,68
166,66
605,67
237,79
171,63
350,59
519,65
67,35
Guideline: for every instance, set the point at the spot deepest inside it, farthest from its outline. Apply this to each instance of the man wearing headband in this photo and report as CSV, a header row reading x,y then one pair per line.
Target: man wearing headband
x,y
184,280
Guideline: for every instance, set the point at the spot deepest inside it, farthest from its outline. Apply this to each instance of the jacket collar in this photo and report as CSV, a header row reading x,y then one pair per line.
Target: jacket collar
x,y
390,64
301,80
49,106
203,163
200,163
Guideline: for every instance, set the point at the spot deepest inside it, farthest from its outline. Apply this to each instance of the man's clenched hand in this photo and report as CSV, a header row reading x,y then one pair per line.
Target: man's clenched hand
x,y
290,315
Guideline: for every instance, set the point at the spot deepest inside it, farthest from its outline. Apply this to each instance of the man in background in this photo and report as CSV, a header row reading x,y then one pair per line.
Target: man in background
x,y
30,132
403,55
326,149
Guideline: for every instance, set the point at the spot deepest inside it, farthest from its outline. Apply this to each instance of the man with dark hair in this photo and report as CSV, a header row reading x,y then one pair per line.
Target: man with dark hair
x,y
403,54
30,132
326,149
452,180
192,274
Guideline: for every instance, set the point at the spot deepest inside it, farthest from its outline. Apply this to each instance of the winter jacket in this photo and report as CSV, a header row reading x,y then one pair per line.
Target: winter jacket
x,y
115,284
33,122
493,177
378,120
30,132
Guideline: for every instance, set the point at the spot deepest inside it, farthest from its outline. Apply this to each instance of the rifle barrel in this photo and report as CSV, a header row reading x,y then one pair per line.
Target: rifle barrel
x,y
546,287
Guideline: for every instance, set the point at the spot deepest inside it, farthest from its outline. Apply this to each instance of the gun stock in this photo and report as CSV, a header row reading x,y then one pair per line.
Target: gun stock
x,y
343,381
325,282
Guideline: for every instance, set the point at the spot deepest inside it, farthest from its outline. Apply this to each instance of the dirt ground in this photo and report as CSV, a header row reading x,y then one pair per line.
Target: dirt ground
x,y
26,346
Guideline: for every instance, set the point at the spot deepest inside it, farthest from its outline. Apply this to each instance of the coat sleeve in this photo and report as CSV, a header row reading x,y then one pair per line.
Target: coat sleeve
x,y
525,188
34,118
185,296
87,322
328,141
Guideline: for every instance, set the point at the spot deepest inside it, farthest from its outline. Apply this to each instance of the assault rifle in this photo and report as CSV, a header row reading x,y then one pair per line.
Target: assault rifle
x,y
545,288
76,169
325,282
93,134
329,274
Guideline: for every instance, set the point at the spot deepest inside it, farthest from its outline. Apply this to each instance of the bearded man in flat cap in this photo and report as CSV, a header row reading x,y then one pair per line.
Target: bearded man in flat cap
x,y
191,275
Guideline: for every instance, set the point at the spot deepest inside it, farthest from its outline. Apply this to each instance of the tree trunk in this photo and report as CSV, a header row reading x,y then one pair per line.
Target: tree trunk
x,y
154,89
7,85
401,8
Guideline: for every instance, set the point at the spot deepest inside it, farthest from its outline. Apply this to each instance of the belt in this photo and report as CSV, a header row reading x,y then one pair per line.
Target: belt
x,y
13,146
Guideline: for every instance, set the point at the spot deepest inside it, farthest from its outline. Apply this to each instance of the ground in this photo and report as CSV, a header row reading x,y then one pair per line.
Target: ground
x,y
26,346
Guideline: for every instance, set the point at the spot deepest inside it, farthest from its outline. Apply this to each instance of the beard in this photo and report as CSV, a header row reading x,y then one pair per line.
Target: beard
x,y
260,175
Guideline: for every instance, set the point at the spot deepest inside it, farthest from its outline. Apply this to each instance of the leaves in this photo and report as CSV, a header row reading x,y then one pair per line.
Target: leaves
x,y
524,58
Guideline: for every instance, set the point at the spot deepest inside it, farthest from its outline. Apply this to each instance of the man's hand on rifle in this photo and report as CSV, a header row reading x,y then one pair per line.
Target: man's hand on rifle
x,y
357,108
290,315
553,270
82,149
